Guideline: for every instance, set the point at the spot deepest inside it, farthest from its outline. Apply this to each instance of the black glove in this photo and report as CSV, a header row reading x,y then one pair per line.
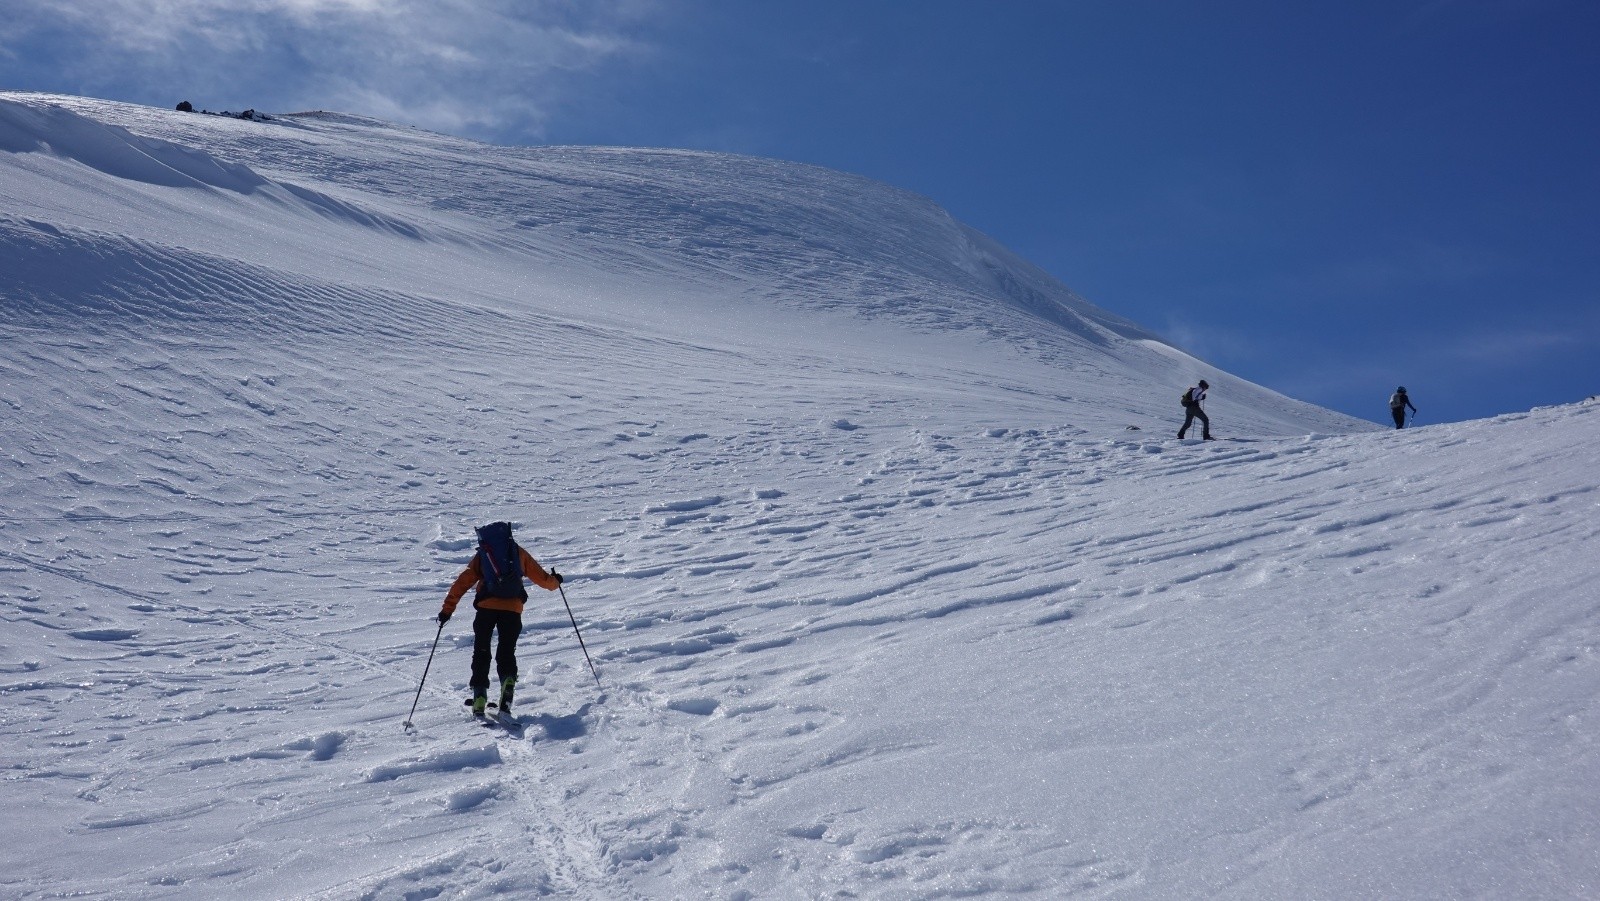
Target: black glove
x,y
557,576
443,617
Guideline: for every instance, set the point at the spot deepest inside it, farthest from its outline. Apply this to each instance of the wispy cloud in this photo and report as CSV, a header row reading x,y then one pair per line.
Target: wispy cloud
x,y
491,67
1515,347
1211,343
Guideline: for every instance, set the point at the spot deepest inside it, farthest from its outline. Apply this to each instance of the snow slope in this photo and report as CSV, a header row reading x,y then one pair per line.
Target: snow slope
x,y
888,599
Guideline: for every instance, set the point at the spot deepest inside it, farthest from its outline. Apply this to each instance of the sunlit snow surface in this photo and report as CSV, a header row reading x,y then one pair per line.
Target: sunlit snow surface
x,y
887,598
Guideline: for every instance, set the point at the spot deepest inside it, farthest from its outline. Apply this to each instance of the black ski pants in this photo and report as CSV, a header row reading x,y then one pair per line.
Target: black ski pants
x,y
505,655
1399,414
1191,413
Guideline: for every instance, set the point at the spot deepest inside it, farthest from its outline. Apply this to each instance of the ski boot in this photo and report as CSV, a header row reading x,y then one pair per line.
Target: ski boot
x,y
507,690
480,702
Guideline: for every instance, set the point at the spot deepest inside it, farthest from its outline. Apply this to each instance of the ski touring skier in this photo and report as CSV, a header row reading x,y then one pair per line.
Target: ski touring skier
x,y
1397,406
496,571
1192,410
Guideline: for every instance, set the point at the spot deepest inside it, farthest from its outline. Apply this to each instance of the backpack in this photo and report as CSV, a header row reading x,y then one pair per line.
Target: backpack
x,y
499,563
1188,398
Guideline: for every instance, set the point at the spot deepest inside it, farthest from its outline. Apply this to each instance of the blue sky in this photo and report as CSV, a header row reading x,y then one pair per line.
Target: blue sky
x,y
1328,199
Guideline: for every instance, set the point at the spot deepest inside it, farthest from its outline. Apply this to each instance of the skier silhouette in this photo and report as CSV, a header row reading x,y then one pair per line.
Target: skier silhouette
x,y
1397,406
1192,399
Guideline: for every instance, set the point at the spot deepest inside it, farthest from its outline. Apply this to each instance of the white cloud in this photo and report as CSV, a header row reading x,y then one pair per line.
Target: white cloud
x,y
451,65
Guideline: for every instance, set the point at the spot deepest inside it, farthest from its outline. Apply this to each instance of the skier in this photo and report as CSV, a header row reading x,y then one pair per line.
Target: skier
x,y
497,571
1397,406
1192,411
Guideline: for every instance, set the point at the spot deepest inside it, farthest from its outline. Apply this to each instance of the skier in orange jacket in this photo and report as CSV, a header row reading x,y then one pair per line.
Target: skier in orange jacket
x,y
497,571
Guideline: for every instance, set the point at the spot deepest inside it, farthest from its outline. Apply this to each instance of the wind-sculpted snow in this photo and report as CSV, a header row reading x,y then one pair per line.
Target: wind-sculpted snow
x,y
59,279
880,609
116,151
58,132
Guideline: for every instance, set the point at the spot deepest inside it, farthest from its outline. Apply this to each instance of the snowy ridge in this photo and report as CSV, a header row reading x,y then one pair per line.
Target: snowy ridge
x,y
886,597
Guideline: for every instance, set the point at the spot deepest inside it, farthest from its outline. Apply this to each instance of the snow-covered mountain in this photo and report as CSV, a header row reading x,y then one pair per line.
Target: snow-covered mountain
x,y
897,583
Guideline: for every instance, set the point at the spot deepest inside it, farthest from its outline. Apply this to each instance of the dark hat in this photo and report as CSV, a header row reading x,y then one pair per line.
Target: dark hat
x,y
1400,390
1204,384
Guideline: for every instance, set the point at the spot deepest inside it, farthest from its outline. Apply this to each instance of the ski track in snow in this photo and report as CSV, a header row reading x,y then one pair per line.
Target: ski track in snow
x,y
869,619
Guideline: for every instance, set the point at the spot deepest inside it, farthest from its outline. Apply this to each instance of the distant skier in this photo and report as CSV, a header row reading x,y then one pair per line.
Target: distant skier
x,y
1397,407
1192,410
497,571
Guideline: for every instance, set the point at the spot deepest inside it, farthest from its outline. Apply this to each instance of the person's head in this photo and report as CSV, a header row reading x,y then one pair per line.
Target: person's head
x,y
1400,390
1204,384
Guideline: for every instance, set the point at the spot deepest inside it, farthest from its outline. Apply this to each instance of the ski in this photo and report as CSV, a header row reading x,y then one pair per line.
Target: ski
x,y
495,718
492,705
507,723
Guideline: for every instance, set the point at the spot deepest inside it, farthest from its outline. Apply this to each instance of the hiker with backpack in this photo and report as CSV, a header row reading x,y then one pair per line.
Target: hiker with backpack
x,y
1192,399
497,571
1397,406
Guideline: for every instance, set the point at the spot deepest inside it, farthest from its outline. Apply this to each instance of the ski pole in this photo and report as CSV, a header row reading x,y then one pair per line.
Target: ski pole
x,y
585,647
424,676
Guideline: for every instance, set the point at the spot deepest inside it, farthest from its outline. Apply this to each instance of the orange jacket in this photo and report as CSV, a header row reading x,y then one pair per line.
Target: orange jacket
x,y
471,576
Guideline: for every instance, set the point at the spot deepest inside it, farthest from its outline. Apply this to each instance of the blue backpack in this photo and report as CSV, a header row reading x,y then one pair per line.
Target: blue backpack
x,y
499,563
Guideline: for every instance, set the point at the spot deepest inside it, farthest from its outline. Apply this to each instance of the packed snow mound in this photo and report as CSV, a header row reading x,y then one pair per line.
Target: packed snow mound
x,y
27,128
116,152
